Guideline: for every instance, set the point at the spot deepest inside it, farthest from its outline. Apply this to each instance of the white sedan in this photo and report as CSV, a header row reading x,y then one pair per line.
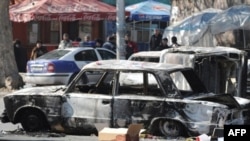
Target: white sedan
x,y
60,66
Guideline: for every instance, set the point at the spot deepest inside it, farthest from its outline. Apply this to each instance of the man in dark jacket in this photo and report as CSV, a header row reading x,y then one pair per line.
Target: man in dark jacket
x,y
110,44
155,40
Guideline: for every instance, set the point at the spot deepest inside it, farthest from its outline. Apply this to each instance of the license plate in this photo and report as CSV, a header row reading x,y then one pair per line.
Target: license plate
x,y
36,69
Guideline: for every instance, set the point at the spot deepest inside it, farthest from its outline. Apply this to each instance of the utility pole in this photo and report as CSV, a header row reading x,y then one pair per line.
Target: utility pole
x,y
120,30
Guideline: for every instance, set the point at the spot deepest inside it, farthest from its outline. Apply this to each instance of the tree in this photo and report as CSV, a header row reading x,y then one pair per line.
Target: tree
x,y
9,75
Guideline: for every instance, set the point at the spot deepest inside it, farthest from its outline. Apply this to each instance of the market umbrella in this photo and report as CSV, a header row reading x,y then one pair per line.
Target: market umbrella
x,y
235,17
192,28
61,10
149,11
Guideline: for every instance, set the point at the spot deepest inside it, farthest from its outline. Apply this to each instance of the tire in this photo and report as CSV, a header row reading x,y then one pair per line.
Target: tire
x,y
170,128
33,121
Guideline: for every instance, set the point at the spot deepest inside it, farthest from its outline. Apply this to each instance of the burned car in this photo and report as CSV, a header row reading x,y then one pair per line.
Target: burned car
x,y
221,69
168,99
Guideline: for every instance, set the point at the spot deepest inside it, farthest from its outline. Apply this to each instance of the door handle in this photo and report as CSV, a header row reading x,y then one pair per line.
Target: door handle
x,y
105,101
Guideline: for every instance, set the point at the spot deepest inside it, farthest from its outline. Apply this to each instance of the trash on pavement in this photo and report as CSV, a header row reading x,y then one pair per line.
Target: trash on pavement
x,y
121,134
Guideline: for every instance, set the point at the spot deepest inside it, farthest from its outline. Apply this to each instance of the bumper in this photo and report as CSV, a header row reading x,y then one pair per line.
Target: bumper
x,y
47,79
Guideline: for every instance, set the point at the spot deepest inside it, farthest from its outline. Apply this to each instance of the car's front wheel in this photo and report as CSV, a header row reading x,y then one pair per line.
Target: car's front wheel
x,y
170,128
33,121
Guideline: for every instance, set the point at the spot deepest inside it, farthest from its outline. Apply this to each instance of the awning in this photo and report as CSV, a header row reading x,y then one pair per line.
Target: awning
x,y
61,10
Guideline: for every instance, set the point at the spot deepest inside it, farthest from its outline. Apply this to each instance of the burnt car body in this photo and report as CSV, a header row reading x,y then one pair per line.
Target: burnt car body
x,y
221,69
168,99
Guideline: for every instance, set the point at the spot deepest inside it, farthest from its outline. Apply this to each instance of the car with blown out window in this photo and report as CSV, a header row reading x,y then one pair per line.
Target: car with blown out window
x,y
167,99
60,66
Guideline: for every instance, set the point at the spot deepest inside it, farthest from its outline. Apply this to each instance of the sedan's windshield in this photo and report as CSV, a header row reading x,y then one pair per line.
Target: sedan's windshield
x,y
55,54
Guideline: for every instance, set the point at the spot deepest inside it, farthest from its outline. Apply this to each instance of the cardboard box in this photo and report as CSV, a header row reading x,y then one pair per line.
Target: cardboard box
x,y
120,134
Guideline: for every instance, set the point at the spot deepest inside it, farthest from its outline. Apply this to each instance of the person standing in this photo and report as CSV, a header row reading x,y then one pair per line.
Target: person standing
x,y
98,42
130,46
38,50
174,42
110,43
20,55
163,44
87,42
65,42
155,39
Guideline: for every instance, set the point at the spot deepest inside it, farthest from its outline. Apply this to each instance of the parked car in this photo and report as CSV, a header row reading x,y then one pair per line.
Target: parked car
x,y
222,69
148,56
118,93
60,66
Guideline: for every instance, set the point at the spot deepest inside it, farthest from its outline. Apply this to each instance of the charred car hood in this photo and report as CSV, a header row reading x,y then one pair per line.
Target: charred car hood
x,y
40,90
226,99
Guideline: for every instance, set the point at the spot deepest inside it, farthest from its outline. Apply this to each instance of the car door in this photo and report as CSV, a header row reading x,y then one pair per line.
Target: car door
x,y
89,102
84,57
105,54
138,99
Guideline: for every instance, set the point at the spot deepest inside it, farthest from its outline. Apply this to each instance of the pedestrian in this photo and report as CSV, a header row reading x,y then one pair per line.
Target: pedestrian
x,y
38,50
130,46
98,42
155,39
65,42
87,42
110,43
20,55
174,42
163,44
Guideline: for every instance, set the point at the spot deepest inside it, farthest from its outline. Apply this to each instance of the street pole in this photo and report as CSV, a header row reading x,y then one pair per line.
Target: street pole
x,y
120,29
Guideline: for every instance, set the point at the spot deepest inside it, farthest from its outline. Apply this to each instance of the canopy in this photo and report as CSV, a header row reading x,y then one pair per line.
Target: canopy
x,y
192,28
61,10
149,11
235,17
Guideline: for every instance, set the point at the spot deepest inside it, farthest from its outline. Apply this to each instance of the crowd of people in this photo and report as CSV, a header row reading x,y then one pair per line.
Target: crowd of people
x,y
156,43
109,43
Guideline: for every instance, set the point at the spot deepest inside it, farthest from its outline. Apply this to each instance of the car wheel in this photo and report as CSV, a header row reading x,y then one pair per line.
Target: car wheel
x,y
170,128
33,121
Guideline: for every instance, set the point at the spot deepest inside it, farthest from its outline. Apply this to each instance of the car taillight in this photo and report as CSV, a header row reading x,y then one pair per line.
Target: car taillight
x,y
51,67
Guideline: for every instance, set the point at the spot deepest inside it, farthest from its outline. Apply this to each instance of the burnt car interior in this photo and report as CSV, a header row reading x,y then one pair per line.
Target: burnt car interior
x,y
178,84
221,71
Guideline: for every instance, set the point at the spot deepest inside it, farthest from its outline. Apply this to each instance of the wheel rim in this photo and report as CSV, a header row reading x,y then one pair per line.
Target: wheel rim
x,y
169,128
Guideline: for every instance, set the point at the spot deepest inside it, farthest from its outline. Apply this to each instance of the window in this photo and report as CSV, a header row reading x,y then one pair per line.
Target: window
x,y
180,81
95,82
86,55
139,83
54,31
33,31
106,55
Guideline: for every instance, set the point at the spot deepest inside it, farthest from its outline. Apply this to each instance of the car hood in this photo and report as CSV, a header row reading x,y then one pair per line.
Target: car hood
x,y
45,90
226,99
